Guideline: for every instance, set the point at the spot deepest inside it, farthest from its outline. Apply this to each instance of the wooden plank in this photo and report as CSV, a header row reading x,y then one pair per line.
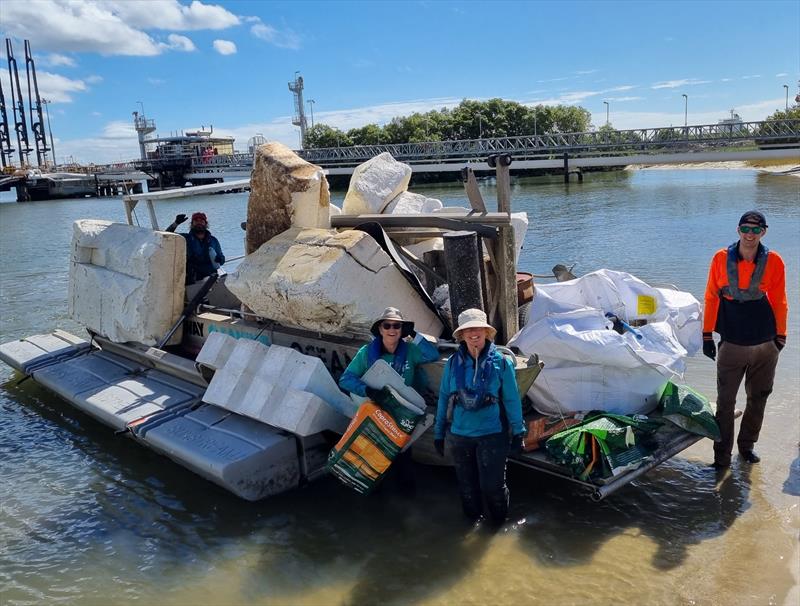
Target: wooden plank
x,y
507,278
483,225
473,192
503,188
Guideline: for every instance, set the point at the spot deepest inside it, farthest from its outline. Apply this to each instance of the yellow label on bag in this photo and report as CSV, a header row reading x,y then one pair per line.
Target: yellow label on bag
x,y
645,305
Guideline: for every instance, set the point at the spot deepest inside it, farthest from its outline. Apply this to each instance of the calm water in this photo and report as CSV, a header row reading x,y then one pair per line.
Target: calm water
x,y
89,518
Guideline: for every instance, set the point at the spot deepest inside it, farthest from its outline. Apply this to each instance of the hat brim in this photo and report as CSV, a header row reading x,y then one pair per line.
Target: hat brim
x,y
474,324
405,331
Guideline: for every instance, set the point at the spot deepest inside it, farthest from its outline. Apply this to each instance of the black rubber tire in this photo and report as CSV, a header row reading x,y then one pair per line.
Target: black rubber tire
x,y
492,160
523,314
505,160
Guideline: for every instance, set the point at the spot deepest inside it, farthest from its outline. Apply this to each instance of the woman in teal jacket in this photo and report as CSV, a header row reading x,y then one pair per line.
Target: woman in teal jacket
x,y
478,404
389,330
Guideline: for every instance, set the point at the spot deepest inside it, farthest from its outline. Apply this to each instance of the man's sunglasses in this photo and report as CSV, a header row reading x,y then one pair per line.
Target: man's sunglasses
x,y
747,230
391,326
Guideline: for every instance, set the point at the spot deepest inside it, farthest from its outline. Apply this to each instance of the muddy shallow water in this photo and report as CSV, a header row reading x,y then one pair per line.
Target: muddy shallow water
x,y
90,518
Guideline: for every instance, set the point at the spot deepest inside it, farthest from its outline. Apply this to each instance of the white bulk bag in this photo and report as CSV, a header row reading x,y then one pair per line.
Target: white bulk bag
x,y
588,366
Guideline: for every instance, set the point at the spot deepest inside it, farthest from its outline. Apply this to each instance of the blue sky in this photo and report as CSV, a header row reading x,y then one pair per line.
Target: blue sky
x,y
228,63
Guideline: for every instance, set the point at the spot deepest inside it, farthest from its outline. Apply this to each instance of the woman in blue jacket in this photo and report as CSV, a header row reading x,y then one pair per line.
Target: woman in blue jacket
x,y
478,403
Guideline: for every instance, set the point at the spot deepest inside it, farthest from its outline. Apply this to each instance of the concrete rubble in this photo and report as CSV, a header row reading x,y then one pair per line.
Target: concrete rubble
x,y
327,281
285,191
126,283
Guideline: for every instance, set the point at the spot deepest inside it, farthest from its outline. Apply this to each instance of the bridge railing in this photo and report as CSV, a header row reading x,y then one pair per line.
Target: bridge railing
x,y
584,144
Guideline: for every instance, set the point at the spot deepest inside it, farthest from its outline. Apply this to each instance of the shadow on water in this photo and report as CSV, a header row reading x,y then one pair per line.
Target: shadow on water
x,y
678,505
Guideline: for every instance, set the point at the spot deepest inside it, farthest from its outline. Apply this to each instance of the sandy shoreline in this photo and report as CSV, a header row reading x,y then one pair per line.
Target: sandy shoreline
x,y
789,168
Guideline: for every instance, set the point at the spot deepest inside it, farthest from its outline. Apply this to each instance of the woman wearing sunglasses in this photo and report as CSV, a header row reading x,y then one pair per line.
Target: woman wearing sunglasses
x,y
393,344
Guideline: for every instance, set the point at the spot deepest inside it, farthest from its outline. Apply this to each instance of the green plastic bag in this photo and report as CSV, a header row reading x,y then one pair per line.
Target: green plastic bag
x,y
689,410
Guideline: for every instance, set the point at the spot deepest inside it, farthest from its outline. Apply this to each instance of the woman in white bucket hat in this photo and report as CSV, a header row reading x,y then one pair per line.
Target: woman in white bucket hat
x,y
393,344
478,403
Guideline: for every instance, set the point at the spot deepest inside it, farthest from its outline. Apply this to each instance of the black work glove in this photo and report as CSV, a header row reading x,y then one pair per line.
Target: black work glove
x,y
709,349
373,394
180,219
438,445
780,342
517,443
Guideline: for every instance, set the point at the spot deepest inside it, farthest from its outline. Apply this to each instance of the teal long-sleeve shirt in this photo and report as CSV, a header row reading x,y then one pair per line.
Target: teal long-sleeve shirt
x,y
486,420
420,351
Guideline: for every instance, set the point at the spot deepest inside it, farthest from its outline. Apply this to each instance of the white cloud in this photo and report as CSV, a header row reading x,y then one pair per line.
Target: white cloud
x,y
225,47
781,75
678,83
751,77
624,99
110,27
170,14
96,114
621,88
156,81
282,39
94,79
179,43
56,60
584,72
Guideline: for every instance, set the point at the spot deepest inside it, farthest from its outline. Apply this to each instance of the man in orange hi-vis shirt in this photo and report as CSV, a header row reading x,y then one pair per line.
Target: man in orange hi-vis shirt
x,y
746,304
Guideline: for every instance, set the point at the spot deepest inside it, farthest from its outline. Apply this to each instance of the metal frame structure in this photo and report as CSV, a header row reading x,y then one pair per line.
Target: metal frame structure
x,y
35,108
18,106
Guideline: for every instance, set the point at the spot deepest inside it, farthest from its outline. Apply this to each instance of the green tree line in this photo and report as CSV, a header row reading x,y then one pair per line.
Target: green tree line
x,y
469,120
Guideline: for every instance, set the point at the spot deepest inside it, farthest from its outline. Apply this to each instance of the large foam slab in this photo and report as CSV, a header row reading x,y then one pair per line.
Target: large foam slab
x,y
328,282
126,283
374,184
285,191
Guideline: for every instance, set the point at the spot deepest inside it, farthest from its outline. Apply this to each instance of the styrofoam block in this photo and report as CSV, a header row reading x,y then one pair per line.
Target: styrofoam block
x,y
285,191
409,203
216,350
335,211
231,382
310,279
126,283
306,373
374,183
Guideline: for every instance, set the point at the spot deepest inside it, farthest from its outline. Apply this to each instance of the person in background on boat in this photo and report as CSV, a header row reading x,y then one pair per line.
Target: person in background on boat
x,y
203,252
745,302
392,343
478,403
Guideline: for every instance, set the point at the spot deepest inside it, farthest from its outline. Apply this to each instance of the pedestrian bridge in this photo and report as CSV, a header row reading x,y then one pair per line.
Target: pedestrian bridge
x,y
778,139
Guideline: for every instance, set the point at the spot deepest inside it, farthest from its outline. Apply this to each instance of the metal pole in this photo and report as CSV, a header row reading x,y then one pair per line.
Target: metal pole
x,y
786,87
311,107
607,106
685,109
50,130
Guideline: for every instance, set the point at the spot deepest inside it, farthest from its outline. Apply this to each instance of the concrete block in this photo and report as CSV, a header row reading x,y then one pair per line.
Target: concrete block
x,y
408,203
216,350
374,184
126,283
285,191
327,282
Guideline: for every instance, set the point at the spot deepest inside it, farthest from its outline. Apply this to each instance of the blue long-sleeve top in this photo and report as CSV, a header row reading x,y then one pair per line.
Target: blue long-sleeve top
x,y
419,351
502,384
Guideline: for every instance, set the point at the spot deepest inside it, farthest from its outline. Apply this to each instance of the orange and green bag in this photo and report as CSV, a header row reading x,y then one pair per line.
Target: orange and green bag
x,y
373,439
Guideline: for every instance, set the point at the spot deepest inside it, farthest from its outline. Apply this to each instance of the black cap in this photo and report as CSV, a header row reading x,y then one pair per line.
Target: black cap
x,y
755,217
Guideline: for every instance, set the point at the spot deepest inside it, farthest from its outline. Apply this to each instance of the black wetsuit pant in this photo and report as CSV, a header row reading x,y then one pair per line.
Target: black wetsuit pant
x,y
481,471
